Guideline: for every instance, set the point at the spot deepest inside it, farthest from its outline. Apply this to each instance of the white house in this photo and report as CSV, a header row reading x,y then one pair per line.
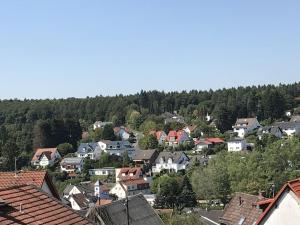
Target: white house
x,y
122,132
289,128
79,202
284,209
245,125
91,150
44,157
117,147
71,165
171,161
236,145
105,171
122,189
100,124
189,129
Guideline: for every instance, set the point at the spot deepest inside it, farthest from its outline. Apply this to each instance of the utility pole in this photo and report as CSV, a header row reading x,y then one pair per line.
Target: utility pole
x,y
127,210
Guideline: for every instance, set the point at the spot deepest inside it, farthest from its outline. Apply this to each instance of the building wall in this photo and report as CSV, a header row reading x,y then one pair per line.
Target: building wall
x,y
236,146
286,212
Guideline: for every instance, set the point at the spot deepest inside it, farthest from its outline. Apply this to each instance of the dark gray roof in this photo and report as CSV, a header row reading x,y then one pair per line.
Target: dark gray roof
x,y
213,215
87,147
144,154
236,139
175,156
140,212
71,161
287,125
269,129
68,189
245,122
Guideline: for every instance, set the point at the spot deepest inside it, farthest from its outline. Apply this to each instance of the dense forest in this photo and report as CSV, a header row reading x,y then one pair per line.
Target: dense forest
x,y
23,122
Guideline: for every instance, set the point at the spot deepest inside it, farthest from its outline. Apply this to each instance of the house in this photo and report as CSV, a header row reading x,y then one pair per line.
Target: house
x,y
100,124
241,210
71,165
189,129
244,126
91,150
175,138
131,187
89,189
236,145
272,130
122,132
202,144
128,173
284,208
102,171
215,140
171,161
31,205
44,157
40,179
79,202
145,157
295,118
117,147
135,210
289,128
161,136
172,118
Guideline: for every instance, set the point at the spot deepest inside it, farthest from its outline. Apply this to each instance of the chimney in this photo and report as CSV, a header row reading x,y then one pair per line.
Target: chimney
x,y
240,201
21,208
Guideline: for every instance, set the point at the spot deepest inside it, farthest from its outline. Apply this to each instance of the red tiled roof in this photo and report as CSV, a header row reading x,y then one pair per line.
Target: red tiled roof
x,y
293,185
215,140
29,205
49,152
36,178
159,134
136,171
241,205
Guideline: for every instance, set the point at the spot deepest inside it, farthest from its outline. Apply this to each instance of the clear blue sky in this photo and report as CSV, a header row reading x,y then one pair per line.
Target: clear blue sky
x,y
69,48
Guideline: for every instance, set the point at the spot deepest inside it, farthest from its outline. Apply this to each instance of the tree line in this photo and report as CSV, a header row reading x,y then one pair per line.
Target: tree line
x,y
27,124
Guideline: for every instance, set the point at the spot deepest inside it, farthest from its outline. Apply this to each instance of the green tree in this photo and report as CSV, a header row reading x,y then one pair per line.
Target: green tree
x,y
108,133
148,142
65,148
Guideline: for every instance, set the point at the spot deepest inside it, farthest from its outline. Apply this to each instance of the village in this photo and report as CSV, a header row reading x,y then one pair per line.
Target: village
x,y
109,181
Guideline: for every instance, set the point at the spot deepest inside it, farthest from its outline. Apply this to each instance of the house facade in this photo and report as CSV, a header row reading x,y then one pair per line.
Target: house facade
x,y
145,157
236,145
126,188
44,157
122,132
284,209
71,165
91,150
161,137
244,126
176,138
117,147
289,128
105,171
171,161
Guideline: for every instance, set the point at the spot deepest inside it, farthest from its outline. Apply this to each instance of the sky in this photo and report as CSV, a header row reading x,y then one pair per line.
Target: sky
x,y
76,48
